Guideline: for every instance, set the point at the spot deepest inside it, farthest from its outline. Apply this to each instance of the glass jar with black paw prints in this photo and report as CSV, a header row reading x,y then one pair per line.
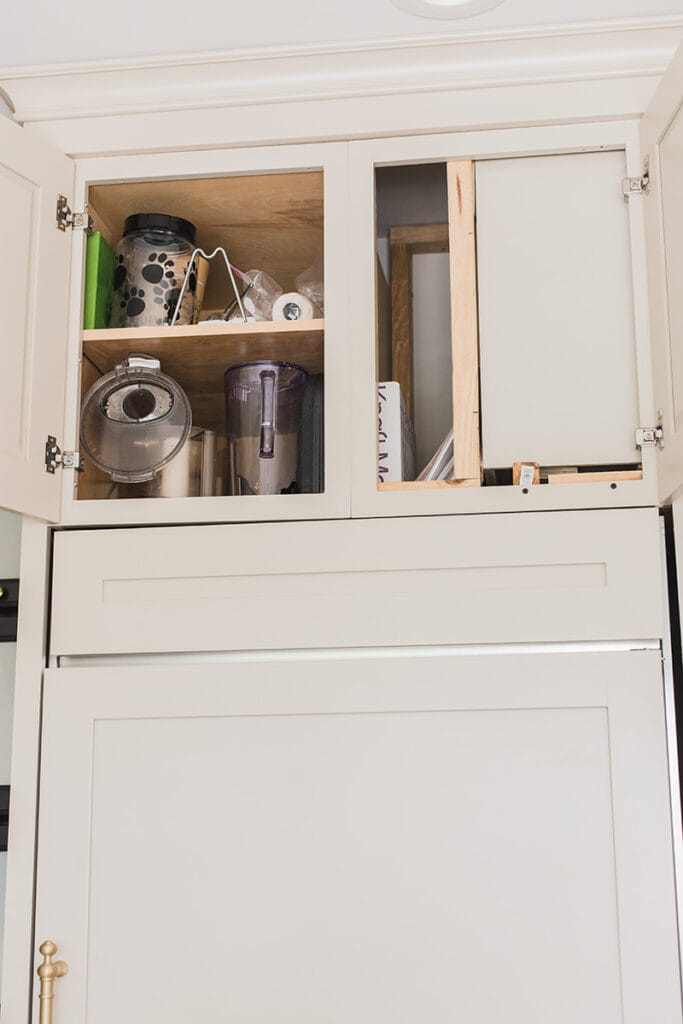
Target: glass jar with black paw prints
x,y
151,261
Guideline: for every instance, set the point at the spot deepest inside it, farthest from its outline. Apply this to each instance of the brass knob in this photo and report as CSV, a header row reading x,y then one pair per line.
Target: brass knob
x,y
2,591
48,971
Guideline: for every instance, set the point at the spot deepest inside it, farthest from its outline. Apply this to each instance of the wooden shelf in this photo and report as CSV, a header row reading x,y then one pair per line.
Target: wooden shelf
x,y
425,485
595,478
197,356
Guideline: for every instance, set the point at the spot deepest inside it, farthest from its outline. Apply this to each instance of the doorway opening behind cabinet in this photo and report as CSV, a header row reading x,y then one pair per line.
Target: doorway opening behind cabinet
x,y
413,317
505,345
203,338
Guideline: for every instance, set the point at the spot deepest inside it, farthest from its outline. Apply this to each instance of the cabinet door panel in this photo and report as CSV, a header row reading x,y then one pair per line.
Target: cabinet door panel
x,y
662,145
34,298
556,311
670,163
366,839
481,579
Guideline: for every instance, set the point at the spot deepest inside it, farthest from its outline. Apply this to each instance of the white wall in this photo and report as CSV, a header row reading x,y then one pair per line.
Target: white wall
x,y
432,362
10,539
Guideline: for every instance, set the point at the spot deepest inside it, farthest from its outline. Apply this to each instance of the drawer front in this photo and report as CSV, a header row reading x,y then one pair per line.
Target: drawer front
x,y
531,578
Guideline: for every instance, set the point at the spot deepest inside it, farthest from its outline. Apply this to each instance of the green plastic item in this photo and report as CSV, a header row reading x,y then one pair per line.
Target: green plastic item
x,y
99,282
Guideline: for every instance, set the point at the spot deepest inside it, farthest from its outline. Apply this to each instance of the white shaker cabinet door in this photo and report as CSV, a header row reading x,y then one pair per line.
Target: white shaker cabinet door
x,y
359,838
555,299
34,294
662,147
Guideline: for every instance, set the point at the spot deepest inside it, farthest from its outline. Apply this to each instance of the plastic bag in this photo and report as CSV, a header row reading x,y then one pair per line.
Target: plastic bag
x,y
258,297
310,283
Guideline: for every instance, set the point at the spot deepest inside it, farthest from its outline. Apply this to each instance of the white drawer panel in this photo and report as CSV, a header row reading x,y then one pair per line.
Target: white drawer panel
x,y
533,577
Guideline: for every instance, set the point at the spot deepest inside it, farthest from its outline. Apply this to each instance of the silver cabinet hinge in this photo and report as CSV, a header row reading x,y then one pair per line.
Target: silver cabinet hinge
x,y
67,219
639,186
650,437
54,456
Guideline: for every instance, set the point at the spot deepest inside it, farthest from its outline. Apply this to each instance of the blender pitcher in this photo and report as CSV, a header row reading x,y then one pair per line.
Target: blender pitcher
x,y
263,404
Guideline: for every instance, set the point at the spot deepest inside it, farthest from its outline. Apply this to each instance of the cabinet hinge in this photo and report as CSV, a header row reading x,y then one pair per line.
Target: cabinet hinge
x,y
54,456
650,437
639,186
67,219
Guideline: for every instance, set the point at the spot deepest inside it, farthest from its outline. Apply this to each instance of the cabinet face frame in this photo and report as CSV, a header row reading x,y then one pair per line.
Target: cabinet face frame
x,y
335,501
364,156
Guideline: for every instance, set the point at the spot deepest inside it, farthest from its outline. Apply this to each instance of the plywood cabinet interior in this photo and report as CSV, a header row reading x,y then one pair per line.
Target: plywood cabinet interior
x,y
270,221
267,222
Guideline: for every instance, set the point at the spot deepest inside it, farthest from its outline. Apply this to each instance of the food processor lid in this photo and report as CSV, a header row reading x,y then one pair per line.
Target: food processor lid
x,y
160,222
134,420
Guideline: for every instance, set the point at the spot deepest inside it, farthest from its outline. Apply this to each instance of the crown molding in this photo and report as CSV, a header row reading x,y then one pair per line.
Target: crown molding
x,y
421,65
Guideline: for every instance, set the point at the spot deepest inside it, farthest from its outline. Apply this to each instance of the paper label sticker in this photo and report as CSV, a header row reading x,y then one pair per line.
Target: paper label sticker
x,y
526,477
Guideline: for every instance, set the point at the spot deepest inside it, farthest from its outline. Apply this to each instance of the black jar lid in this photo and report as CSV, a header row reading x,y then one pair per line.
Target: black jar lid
x,y
160,222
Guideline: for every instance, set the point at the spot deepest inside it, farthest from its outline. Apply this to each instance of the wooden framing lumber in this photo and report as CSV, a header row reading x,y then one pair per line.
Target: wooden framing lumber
x,y
464,320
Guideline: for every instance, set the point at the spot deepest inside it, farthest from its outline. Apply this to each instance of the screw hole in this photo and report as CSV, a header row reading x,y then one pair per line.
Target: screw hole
x,y
525,490
613,486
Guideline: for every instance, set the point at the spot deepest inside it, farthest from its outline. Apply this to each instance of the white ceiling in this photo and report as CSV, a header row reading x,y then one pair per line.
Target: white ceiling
x,y
45,32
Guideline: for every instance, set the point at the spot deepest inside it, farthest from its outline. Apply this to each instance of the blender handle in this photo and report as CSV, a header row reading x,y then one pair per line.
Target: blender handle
x,y
267,439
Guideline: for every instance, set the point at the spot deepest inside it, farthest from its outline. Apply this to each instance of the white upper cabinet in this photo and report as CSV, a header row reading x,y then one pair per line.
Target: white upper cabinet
x,y
544,360
662,144
34,296
278,210
498,277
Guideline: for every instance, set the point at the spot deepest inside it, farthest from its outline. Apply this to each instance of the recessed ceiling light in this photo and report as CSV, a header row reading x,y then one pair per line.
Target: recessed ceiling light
x,y
446,8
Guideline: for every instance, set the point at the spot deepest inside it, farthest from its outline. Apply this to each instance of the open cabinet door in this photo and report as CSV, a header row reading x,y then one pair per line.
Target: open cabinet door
x,y
34,300
662,147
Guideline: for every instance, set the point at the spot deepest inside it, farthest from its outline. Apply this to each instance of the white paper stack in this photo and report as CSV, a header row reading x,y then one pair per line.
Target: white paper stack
x,y
442,462
395,435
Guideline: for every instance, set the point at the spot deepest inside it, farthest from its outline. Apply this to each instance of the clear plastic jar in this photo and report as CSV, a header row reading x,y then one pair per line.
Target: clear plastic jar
x,y
151,261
